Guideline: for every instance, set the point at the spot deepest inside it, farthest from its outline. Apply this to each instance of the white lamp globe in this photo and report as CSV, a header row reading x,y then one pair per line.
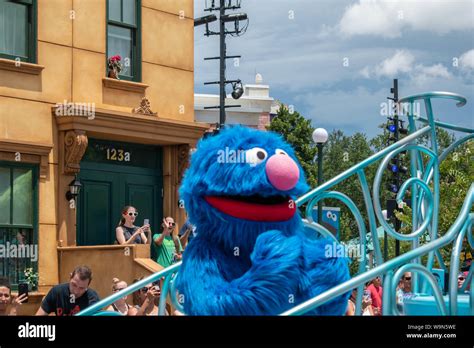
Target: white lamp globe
x,y
320,136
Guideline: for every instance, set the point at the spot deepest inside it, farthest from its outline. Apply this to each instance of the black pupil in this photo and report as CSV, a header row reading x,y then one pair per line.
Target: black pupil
x,y
260,155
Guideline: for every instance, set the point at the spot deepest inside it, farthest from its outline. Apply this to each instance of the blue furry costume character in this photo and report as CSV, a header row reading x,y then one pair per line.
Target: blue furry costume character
x,y
250,256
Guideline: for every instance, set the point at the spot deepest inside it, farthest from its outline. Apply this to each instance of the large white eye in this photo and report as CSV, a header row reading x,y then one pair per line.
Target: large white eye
x,y
255,156
280,152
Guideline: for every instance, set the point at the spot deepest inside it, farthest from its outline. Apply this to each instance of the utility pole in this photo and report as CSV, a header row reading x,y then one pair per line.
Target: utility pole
x,y
224,18
395,128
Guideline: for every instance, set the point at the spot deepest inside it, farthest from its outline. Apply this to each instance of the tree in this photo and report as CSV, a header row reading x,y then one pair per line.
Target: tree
x,y
298,132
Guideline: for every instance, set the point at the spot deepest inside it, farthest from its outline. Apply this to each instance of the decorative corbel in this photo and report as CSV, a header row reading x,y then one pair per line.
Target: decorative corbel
x,y
75,147
144,108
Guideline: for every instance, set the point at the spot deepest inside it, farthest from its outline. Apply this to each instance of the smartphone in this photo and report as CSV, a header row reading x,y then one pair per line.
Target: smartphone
x,y
23,289
146,221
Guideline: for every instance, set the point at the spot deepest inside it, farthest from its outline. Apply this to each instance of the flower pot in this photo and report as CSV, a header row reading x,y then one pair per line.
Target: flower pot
x,y
113,74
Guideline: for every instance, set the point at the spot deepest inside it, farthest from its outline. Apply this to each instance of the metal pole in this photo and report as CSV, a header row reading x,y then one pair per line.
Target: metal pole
x,y
320,180
222,65
397,136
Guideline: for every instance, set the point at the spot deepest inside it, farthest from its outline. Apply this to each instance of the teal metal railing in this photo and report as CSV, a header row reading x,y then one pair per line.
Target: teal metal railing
x,y
424,187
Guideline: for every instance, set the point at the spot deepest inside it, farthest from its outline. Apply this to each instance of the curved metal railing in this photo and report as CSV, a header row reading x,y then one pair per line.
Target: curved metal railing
x,y
424,187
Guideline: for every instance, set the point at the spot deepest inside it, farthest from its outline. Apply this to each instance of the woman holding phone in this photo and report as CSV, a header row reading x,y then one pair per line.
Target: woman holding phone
x,y
126,232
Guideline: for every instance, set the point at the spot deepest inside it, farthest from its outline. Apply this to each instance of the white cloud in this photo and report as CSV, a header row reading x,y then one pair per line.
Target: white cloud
x,y
422,75
466,61
390,18
401,62
370,17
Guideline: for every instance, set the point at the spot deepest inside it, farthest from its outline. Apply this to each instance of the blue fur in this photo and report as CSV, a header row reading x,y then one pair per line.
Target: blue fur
x,y
239,267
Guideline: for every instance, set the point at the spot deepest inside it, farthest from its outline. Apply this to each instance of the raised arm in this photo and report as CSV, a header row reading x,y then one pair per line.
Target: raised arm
x,y
268,286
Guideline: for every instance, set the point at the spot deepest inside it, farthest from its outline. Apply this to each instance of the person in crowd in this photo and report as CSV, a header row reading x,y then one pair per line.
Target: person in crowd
x,y
126,232
9,304
186,233
121,306
70,298
406,283
167,244
146,299
376,291
367,309
399,295
462,276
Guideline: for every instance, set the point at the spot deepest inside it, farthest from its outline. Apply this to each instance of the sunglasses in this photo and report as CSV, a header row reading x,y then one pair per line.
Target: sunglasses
x,y
407,278
133,214
461,278
145,289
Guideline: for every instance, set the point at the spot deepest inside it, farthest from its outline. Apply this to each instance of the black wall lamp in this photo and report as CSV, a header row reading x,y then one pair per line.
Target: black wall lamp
x,y
74,188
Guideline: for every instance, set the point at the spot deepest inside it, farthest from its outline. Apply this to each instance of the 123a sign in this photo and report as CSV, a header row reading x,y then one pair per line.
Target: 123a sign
x,y
118,155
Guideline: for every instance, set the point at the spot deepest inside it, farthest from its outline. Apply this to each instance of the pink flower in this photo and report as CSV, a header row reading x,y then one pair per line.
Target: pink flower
x,y
116,58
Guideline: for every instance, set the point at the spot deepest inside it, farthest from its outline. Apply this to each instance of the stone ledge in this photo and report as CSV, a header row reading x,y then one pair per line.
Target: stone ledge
x,y
124,85
21,67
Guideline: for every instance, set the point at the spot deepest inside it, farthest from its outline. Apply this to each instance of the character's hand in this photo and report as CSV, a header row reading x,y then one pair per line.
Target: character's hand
x,y
274,245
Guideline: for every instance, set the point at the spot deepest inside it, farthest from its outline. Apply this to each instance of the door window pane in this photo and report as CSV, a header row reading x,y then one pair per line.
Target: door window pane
x,y
5,195
22,196
115,10
13,29
120,43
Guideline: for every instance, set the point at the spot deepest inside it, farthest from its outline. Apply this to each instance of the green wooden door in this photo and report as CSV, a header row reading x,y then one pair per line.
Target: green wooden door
x,y
108,185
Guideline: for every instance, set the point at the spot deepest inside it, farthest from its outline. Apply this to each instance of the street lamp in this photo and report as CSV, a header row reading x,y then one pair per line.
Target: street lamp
x,y
238,90
320,136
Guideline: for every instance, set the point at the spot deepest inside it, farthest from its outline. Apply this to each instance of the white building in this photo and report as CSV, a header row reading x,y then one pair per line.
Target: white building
x,y
256,106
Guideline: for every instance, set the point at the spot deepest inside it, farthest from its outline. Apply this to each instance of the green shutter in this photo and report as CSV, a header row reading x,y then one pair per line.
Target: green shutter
x,y
5,196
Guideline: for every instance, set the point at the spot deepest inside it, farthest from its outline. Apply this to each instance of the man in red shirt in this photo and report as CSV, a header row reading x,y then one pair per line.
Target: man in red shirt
x,y
375,290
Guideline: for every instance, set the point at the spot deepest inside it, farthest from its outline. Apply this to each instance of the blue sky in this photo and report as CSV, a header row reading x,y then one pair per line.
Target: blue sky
x,y
300,47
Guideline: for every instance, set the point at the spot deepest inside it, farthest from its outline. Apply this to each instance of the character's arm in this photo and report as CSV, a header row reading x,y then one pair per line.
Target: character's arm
x,y
264,289
322,270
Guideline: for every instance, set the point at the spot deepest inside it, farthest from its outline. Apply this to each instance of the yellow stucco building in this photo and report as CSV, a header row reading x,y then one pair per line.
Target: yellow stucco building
x,y
62,117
